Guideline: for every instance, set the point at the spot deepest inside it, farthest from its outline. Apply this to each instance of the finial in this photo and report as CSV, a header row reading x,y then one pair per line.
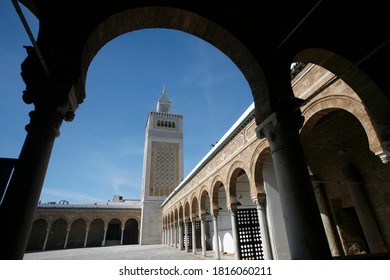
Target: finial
x,y
164,91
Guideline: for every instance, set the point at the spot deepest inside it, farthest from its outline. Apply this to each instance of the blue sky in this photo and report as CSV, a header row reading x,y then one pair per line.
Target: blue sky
x,y
100,153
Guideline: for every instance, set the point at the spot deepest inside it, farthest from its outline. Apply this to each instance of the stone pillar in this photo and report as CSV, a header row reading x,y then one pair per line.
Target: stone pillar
x,y
46,237
193,221
104,237
122,231
372,233
305,232
171,235
22,196
167,235
264,233
180,235
203,235
51,98
325,216
172,229
216,238
236,242
66,238
86,237
175,234
186,249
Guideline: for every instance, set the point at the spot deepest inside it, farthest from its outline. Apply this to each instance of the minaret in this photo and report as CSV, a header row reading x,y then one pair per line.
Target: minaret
x,y
162,167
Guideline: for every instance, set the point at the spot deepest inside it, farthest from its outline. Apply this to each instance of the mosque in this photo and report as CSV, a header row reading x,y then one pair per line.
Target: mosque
x,y
199,214
302,174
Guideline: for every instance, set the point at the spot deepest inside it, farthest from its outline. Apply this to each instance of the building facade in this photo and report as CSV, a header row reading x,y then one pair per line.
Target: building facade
x,y
235,192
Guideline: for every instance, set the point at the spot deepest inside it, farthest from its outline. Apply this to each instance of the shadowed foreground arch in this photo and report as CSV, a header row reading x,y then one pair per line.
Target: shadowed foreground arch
x,y
284,29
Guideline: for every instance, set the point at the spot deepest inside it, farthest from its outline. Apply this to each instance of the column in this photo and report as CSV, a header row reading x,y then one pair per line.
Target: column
x,y
203,235
180,235
170,235
236,243
264,233
122,231
325,216
51,106
216,239
305,232
22,196
104,237
86,237
66,238
167,235
46,237
371,231
186,247
175,234
193,235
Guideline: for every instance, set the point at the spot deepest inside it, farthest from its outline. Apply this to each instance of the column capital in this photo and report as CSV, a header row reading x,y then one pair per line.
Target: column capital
x,y
259,199
59,92
232,209
287,120
281,129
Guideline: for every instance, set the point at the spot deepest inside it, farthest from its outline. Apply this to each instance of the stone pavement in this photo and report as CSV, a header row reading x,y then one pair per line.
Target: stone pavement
x,y
124,252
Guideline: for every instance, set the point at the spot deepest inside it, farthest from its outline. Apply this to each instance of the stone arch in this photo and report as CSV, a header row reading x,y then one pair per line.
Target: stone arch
x,y
57,234
131,231
77,218
342,166
37,235
204,194
187,210
96,232
215,186
77,233
186,21
194,206
235,170
181,212
171,217
316,110
176,215
257,162
374,99
113,235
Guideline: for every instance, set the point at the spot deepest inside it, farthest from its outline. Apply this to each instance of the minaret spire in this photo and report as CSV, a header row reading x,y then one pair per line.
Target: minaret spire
x,y
164,104
164,91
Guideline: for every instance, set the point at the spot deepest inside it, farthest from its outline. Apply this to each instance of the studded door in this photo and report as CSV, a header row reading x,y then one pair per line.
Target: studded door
x,y
189,235
249,234
187,241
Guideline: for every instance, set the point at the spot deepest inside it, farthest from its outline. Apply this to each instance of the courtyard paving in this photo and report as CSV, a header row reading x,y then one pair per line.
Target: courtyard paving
x,y
124,252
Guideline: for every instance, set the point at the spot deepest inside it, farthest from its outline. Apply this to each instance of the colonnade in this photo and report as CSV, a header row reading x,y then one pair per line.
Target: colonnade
x,y
59,234
176,233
